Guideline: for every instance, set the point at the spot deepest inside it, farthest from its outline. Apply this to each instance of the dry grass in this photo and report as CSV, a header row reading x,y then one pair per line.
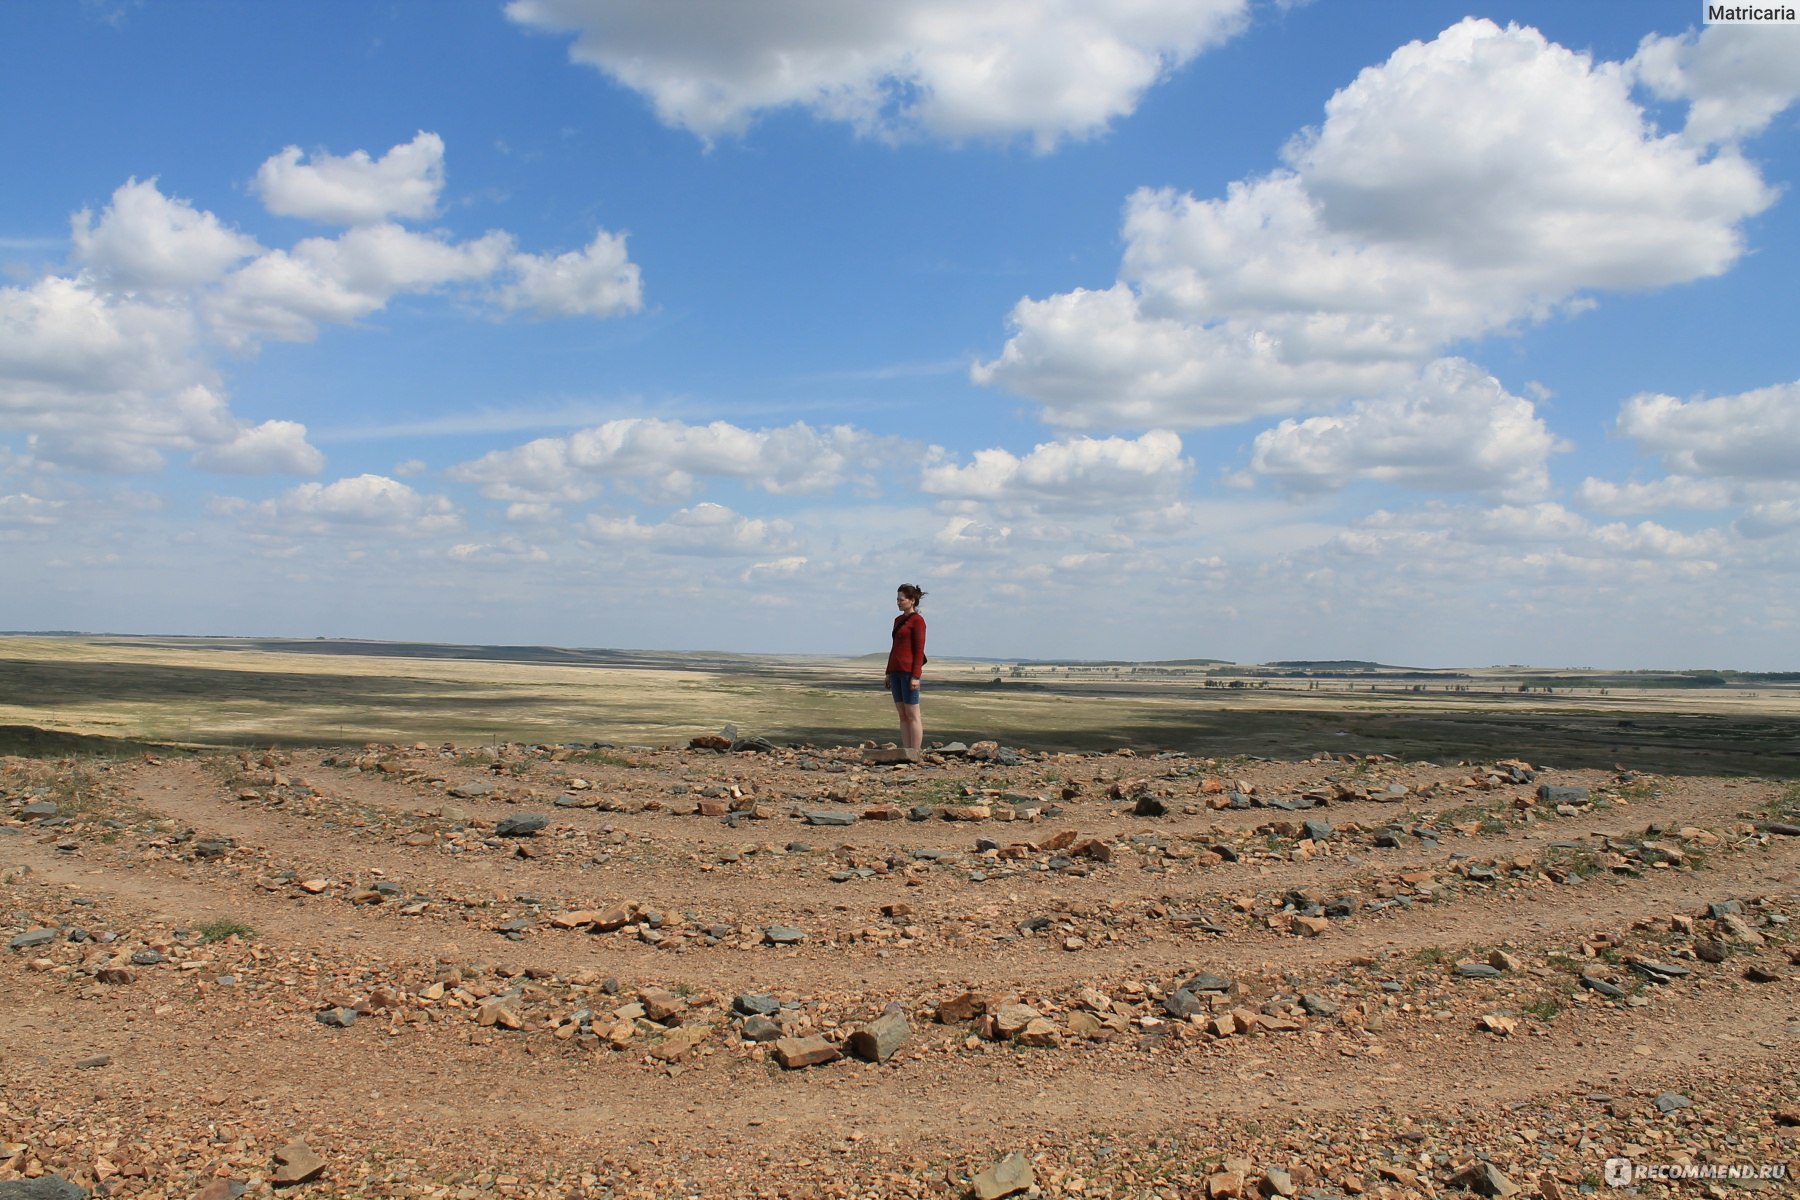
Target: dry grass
x,y
223,692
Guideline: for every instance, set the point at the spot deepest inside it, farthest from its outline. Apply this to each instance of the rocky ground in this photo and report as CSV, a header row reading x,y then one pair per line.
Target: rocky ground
x,y
735,969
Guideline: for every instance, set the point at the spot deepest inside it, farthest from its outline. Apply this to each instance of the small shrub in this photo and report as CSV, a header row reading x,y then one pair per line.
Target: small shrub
x,y
224,927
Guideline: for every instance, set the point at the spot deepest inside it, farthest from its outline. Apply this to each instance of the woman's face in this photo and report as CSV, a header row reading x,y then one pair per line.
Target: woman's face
x,y
906,603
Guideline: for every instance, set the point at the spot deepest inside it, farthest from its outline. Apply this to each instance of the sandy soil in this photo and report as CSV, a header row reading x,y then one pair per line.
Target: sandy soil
x,y
180,926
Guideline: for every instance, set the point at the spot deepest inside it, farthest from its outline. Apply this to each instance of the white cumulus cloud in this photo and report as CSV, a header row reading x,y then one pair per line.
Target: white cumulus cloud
x,y
1734,77
1049,69
706,529
598,281
1455,430
1469,183
355,189
1077,471
665,458
271,448
144,239
1750,435
366,504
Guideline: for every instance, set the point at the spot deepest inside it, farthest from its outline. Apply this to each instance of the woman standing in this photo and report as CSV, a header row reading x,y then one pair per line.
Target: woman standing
x,y
906,661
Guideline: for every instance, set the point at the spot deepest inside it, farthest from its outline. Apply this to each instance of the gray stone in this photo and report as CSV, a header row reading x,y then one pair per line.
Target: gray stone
x,y
756,1004
1182,1003
1709,950
919,812
1207,982
337,1018
1551,793
38,809
952,749
214,847
1149,806
783,935
1611,991
877,1041
1318,831
1670,1101
760,1029
828,817
1718,910
1477,971
44,1187
890,755
1318,1006
1784,828
523,825
147,958
33,937
475,790
1008,1177
754,745
1657,972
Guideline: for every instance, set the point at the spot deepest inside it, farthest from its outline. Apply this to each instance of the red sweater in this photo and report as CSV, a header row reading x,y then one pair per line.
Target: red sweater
x,y
908,654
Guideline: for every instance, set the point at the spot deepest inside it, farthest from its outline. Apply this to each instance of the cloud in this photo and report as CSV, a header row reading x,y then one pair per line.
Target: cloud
x,y
1050,69
369,505
1399,226
663,458
272,448
599,281
709,530
1674,491
113,366
355,189
1750,435
1734,77
286,294
1456,430
1081,472
146,240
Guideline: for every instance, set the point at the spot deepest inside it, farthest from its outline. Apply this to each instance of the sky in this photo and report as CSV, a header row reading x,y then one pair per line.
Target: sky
x,y
1130,329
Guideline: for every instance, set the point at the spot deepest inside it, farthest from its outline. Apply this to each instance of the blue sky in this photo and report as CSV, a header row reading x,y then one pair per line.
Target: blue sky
x,y
1127,328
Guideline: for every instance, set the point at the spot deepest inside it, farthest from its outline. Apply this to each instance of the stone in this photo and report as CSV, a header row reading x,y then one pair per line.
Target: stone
x,y
1670,1101
966,812
1318,1006
1207,982
1182,1003
1783,828
756,1004
1709,950
89,1064
877,1041
1485,1179
296,1163
828,817
754,744
1760,974
337,1018
1040,1032
890,755
1495,1023
1500,960
1550,793
570,800
1474,970
1092,848
965,1007
1225,1185
523,825
709,741
31,938
783,935
1318,831
1611,991
475,790
37,810
760,1029
794,1053
662,1006
222,1189
1278,1182
44,1187
616,917
1011,1019
1008,1177
1149,806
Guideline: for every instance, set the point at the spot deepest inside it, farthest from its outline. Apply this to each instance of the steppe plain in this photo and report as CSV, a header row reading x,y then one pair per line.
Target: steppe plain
x,y
332,919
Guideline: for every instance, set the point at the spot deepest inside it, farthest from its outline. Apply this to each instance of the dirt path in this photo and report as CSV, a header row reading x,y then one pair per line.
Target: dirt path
x,y
216,1055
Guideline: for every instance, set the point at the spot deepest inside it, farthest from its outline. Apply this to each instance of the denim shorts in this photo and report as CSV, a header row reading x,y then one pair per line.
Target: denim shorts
x,y
902,686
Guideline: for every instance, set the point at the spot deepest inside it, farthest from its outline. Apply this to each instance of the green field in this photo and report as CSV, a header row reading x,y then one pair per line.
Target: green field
x,y
111,694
